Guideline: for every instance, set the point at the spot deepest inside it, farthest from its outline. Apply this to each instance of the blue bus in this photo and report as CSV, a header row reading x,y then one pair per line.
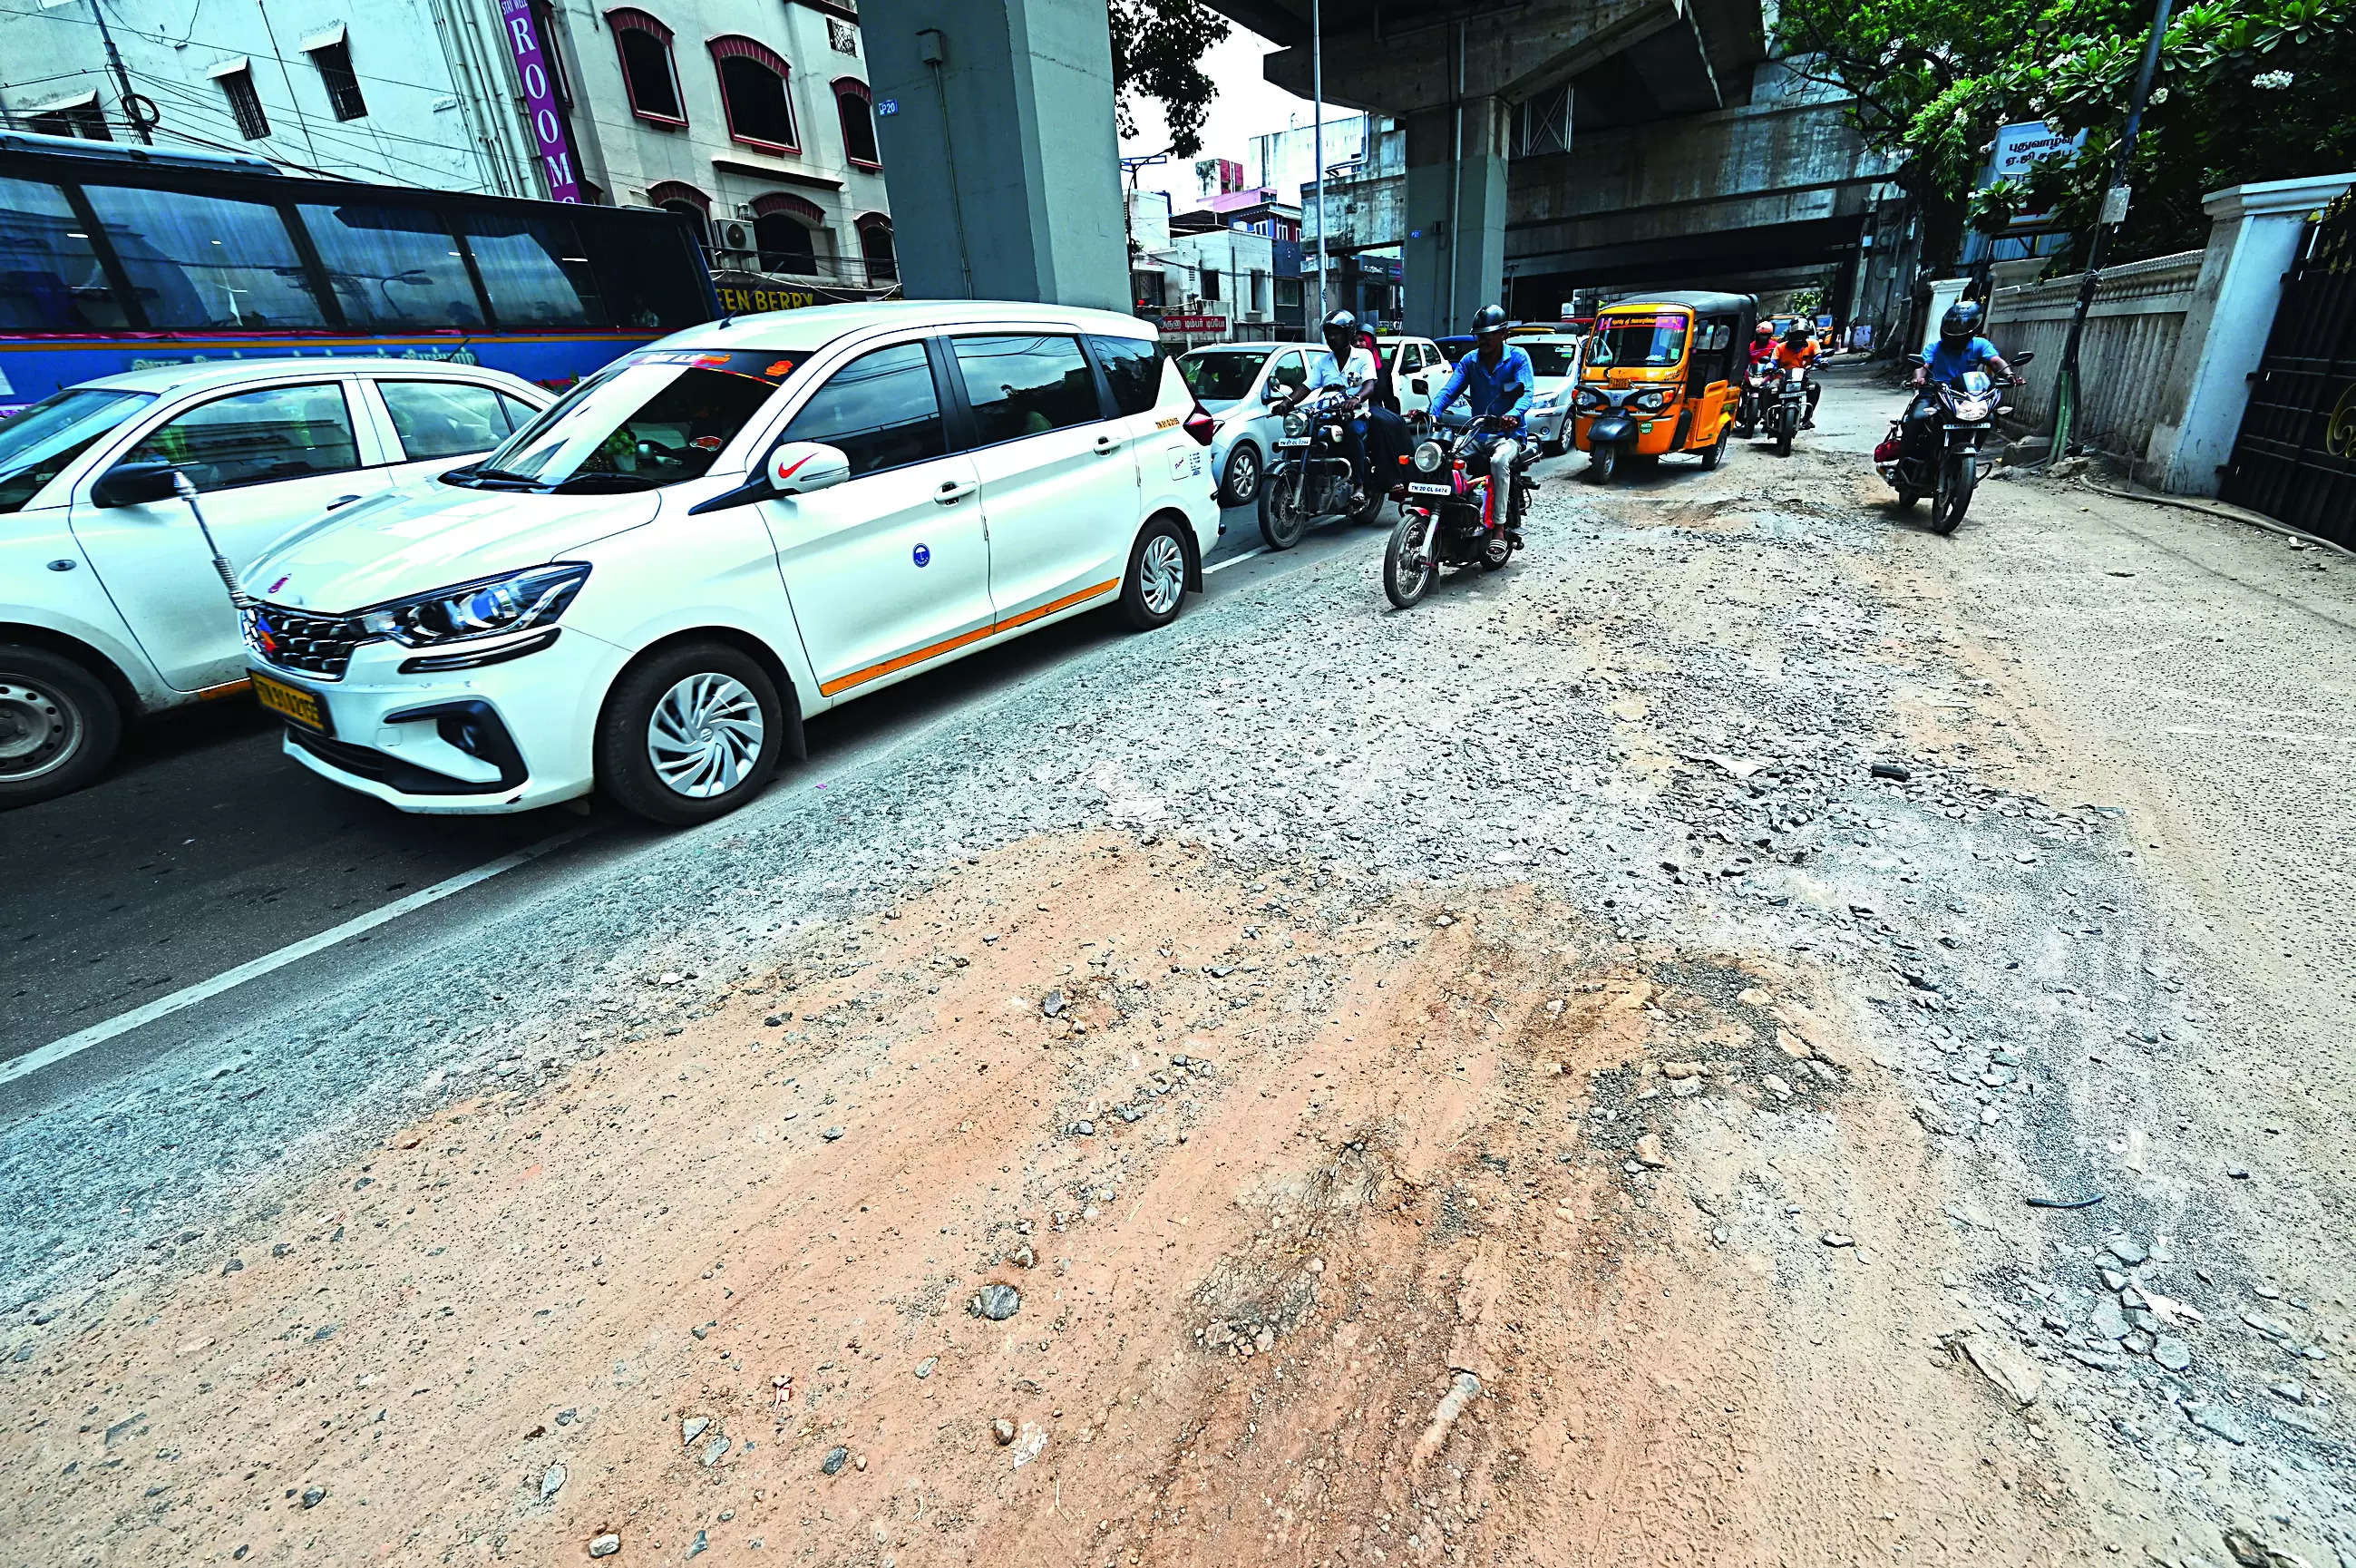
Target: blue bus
x,y
116,257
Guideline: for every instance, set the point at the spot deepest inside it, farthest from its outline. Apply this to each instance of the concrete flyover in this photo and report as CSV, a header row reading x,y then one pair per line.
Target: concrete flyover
x,y
1587,143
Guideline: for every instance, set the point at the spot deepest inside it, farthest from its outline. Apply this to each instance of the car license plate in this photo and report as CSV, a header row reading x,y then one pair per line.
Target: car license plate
x,y
1432,489
293,704
1293,441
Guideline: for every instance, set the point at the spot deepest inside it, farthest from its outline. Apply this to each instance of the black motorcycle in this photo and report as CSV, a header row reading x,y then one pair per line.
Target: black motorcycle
x,y
1310,475
1454,512
1747,415
1785,402
1943,462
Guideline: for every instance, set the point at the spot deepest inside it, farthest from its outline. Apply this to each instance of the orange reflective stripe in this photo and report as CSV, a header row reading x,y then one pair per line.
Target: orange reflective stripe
x,y
950,645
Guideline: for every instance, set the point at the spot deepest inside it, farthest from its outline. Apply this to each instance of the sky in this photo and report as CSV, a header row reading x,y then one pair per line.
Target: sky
x,y
1246,106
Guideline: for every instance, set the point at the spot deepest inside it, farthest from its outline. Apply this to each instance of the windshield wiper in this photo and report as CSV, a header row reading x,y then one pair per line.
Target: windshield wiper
x,y
475,475
580,484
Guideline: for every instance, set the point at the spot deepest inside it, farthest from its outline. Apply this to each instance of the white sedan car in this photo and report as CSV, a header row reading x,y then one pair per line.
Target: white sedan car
x,y
1554,367
648,590
110,607
1237,381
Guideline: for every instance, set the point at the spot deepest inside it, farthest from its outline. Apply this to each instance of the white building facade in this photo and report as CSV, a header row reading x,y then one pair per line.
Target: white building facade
x,y
753,116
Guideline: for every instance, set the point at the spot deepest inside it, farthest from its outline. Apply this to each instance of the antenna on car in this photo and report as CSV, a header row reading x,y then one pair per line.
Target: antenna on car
x,y
186,491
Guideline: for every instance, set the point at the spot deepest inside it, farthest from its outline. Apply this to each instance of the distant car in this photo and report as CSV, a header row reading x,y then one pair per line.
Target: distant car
x,y
110,607
1417,367
1237,381
1554,369
1454,347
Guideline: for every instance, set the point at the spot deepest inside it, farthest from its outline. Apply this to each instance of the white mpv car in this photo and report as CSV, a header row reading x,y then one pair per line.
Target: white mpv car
x,y
650,588
110,607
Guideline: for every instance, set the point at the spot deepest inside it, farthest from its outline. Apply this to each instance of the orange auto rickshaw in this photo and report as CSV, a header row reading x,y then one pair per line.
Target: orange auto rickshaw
x,y
1661,373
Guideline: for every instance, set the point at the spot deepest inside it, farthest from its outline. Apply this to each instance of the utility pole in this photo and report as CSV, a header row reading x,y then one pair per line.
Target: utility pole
x,y
1316,139
122,77
2114,213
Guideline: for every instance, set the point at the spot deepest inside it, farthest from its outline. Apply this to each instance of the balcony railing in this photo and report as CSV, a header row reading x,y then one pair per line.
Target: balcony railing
x,y
837,271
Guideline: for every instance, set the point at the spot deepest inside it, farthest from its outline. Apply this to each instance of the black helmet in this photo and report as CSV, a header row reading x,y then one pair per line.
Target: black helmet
x,y
1342,321
1797,333
1487,319
1961,324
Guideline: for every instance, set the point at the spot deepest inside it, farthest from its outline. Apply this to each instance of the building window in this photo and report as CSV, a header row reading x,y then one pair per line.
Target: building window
x,y
678,195
752,90
647,73
785,232
84,119
1258,293
876,249
856,106
1151,289
343,84
245,102
1210,284
843,36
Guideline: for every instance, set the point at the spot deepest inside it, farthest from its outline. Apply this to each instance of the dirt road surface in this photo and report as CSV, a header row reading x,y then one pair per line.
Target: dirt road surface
x,y
1756,1035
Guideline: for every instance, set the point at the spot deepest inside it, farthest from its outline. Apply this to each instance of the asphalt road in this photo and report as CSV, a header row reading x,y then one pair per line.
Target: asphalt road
x,y
207,848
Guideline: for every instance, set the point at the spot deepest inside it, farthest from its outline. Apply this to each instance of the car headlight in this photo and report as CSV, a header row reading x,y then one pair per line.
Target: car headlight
x,y
491,607
1652,400
1429,458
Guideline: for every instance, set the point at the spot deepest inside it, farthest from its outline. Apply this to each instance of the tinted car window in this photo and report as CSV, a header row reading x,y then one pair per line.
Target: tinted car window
x,y
1133,366
443,419
1291,372
1222,375
1024,385
879,409
37,444
253,438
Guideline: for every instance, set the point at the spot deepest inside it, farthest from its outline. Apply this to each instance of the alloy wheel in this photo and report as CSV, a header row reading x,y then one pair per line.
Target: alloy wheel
x,y
704,736
1243,476
39,733
1162,574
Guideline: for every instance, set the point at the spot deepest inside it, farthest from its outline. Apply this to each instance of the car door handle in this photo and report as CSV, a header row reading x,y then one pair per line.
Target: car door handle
x,y
341,500
1108,444
954,490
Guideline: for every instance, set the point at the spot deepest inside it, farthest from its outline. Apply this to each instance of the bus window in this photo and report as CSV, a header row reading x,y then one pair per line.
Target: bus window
x,y
202,262
393,266
640,275
50,281
534,270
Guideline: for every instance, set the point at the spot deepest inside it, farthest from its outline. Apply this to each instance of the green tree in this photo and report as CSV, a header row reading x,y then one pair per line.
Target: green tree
x,y
1157,52
2247,89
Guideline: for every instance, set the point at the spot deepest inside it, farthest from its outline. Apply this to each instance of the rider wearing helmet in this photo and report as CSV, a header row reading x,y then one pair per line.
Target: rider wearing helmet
x,y
1960,349
1762,342
1355,370
1494,378
1796,356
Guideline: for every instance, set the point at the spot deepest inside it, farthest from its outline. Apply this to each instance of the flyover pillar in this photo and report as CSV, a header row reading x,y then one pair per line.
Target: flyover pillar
x,y
995,120
1455,246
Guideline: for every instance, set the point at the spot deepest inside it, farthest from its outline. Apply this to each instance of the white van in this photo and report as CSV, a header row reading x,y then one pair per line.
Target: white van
x,y
650,588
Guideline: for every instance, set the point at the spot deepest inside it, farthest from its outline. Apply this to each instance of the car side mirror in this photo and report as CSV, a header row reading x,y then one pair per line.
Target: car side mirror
x,y
133,484
1419,386
791,468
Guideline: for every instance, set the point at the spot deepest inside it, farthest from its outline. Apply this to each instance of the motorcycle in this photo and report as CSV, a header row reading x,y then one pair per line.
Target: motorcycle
x,y
1786,403
1754,396
1451,512
1310,475
1964,414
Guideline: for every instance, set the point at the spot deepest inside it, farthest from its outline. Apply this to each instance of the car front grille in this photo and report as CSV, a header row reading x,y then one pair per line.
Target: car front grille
x,y
299,640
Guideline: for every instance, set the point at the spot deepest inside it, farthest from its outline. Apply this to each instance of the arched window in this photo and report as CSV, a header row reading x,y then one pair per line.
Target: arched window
x,y
875,248
785,229
856,104
648,72
752,90
678,195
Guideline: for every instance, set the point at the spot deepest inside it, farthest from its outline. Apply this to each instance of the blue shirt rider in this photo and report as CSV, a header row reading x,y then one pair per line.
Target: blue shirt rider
x,y
1960,350
1493,377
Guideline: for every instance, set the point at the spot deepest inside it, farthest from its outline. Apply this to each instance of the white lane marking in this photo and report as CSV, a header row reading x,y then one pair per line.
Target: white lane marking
x,y
82,1040
1235,561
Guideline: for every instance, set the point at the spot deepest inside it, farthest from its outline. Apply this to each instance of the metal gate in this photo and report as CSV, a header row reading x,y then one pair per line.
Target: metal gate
x,y
2295,459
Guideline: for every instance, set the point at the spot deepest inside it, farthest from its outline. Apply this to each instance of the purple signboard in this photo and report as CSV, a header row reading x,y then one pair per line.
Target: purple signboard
x,y
539,99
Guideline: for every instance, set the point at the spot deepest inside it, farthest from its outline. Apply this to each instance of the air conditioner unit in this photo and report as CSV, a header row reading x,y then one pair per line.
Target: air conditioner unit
x,y
736,236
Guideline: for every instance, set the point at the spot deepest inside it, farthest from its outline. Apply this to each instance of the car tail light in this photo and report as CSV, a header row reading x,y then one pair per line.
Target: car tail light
x,y
1200,424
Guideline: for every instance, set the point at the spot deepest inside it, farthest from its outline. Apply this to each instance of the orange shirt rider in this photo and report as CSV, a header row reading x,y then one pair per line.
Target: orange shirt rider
x,y
1799,359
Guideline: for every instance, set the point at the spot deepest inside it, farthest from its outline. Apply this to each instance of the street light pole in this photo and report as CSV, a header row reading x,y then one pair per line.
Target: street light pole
x,y
2065,391
1317,138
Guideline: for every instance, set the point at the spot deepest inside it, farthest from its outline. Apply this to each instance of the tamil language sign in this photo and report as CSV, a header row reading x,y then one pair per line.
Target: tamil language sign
x,y
522,30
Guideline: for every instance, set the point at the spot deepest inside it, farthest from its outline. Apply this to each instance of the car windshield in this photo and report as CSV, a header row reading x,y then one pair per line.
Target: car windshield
x,y
1552,358
1221,375
650,420
37,444
1650,343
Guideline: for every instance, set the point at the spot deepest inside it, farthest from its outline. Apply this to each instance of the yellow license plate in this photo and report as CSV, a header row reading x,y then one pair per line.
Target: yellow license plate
x,y
292,702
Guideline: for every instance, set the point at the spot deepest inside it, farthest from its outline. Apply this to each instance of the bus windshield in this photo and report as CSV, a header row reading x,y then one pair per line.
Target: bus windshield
x,y
1646,342
648,420
37,444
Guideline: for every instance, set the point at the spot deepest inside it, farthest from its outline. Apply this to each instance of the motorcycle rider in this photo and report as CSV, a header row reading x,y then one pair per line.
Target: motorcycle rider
x,y
1960,350
1356,371
1762,343
1494,379
1796,356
